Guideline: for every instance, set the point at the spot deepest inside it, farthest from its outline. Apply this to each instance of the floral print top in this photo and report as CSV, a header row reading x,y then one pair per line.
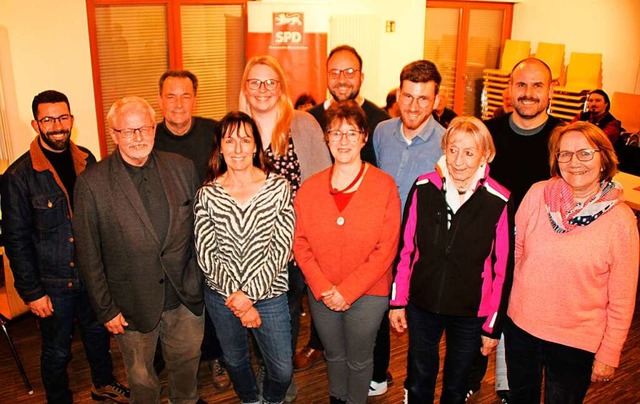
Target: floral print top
x,y
287,165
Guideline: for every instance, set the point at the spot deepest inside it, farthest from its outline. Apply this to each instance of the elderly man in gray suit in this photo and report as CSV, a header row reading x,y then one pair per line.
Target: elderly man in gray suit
x,y
134,227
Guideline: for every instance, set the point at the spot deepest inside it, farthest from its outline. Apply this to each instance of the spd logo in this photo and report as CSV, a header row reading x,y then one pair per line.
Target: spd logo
x,y
287,29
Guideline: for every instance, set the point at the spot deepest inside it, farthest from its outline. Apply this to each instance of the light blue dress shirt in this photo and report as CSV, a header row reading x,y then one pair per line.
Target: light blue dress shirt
x,y
404,160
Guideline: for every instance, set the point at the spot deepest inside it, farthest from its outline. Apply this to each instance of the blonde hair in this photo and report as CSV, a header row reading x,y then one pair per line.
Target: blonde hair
x,y
280,135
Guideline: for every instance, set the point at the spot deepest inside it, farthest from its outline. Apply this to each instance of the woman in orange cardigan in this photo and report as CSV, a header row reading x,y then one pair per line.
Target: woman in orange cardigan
x,y
347,230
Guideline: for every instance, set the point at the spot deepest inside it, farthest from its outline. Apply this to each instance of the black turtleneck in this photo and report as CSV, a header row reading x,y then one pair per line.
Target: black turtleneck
x,y
63,165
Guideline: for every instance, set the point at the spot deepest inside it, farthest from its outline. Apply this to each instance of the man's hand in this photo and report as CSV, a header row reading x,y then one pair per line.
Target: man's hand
x,y
116,325
238,303
251,319
41,307
398,319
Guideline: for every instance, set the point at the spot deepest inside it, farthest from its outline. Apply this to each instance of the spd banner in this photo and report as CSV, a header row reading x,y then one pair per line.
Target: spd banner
x,y
296,35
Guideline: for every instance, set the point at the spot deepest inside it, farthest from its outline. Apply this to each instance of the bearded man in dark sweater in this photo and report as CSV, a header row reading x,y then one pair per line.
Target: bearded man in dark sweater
x,y
522,159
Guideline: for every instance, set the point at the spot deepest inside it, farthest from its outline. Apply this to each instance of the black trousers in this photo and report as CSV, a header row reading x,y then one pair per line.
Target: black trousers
x,y
567,370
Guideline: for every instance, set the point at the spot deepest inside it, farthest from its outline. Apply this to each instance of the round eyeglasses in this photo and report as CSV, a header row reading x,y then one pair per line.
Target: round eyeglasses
x,y
407,99
581,155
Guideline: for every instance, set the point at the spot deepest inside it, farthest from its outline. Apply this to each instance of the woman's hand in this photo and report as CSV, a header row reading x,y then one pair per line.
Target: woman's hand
x,y
251,319
398,319
238,303
601,372
334,300
488,345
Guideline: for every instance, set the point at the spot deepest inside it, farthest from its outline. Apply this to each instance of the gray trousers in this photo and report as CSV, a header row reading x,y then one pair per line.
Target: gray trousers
x,y
348,338
180,333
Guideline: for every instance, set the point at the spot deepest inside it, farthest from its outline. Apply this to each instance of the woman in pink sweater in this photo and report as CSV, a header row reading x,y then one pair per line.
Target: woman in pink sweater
x,y
347,230
576,273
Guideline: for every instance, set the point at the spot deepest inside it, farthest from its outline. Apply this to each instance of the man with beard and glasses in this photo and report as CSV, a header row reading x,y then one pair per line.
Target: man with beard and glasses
x,y
37,204
522,159
344,78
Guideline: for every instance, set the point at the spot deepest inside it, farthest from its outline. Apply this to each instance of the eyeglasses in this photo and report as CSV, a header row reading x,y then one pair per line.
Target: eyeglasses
x,y
49,121
407,99
128,133
581,155
269,84
348,73
336,135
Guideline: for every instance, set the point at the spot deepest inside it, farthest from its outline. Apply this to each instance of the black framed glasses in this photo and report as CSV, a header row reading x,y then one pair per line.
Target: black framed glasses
x,y
581,155
49,121
336,135
128,133
348,73
269,84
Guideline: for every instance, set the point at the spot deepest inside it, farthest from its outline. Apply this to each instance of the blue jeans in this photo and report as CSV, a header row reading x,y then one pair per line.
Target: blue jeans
x,y
567,370
273,338
423,360
69,304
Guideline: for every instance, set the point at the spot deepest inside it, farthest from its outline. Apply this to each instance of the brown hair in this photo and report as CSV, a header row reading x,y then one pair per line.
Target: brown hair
x,y
348,111
280,135
231,123
596,137
179,74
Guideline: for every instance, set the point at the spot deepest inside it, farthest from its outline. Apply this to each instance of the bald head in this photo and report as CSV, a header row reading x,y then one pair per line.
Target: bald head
x,y
533,63
530,87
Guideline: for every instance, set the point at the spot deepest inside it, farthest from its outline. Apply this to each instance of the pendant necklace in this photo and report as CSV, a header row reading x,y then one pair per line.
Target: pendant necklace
x,y
335,191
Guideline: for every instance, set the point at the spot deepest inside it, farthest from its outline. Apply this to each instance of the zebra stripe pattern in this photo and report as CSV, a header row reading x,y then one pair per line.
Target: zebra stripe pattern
x,y
245,247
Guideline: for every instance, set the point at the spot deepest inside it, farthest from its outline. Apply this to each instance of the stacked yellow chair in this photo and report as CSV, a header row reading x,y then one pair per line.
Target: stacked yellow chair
x,y
584,74
495,81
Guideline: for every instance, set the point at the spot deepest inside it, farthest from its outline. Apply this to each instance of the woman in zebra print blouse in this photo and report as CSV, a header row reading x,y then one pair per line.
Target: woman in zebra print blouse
x,y
244,225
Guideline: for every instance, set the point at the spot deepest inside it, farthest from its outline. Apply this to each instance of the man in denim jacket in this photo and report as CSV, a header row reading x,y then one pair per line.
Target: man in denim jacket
x,y
37,203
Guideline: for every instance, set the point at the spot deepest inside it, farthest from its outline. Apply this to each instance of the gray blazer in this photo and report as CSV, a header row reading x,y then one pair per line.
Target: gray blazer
x,y
121,260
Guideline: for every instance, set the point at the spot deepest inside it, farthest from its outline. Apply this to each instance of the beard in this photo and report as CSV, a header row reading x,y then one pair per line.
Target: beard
x,y
339,97
57,145
527,111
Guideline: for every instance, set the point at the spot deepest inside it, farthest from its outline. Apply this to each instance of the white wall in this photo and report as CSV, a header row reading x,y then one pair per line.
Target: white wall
x,y
48,48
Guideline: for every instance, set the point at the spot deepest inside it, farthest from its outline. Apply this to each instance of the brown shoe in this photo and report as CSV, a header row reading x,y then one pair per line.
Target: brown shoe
x,y
221,381
306,358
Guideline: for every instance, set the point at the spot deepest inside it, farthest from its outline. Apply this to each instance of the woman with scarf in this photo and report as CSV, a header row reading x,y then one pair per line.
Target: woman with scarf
x,y
455,264
576,273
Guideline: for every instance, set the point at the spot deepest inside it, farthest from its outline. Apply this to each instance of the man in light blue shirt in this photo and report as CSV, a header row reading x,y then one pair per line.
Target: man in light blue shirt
x,y
409,146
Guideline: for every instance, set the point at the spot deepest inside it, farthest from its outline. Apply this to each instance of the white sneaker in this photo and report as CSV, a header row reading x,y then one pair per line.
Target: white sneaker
x,y
377,389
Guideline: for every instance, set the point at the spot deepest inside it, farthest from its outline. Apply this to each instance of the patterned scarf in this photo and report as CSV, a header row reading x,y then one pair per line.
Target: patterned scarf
x,y
565,214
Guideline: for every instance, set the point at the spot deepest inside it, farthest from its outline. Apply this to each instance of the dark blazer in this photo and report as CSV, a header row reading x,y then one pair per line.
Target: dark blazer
x,y
122,262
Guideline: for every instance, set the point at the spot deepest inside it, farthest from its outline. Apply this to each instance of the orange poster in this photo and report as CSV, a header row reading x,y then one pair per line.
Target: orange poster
x,y
296,35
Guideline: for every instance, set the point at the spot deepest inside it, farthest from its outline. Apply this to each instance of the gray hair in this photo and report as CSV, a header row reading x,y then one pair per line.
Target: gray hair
x,y
127,104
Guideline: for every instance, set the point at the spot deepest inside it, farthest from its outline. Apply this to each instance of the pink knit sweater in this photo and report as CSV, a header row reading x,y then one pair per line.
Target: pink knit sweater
x,y
577,288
